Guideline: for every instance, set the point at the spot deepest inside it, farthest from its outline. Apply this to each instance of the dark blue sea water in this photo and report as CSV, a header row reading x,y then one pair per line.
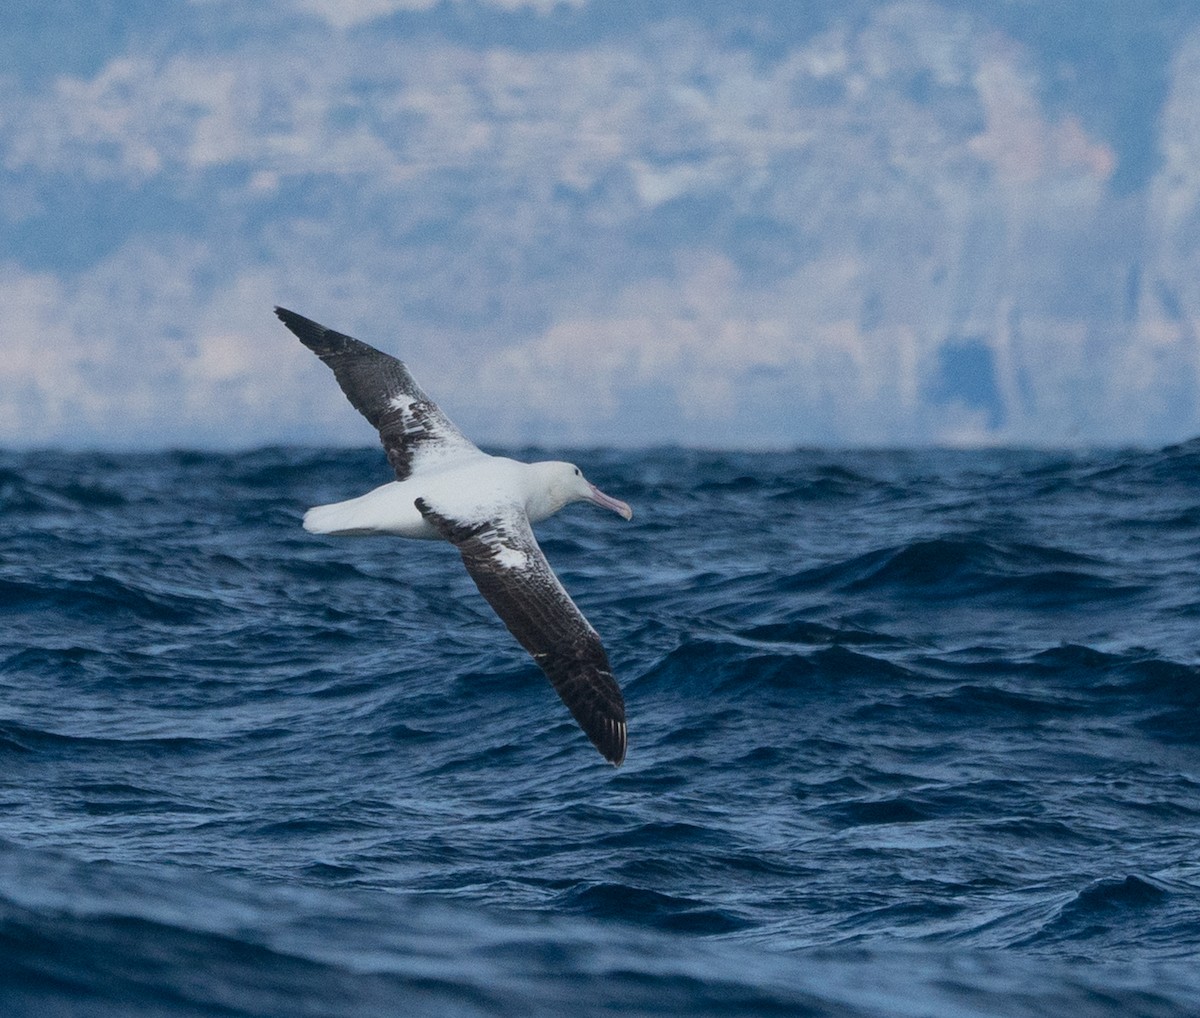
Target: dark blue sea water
x,y
911,733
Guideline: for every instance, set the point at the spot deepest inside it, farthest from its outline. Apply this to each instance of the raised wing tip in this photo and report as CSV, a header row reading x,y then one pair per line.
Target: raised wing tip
x,y
312,334
292,320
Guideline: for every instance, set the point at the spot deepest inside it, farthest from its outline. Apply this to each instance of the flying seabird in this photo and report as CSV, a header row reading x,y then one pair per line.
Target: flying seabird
x,y
446,487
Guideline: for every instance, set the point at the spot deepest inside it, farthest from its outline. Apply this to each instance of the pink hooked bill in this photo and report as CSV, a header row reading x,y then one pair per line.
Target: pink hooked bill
x,y
608,502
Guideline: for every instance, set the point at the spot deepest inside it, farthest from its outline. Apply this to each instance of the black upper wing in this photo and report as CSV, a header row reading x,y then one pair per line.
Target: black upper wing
x,y
411,426
510,570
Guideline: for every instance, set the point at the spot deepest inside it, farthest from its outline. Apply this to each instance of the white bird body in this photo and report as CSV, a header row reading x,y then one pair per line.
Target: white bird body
x,y
447,488
471,487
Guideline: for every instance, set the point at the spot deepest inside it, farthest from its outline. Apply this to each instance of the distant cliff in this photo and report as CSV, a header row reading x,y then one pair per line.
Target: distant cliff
x,y
877,223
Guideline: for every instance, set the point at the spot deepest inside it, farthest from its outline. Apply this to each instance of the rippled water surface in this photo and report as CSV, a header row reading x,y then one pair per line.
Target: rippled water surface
x,y
910,734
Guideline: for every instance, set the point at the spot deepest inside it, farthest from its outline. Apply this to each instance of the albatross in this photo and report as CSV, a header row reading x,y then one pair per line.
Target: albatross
x,y
447,488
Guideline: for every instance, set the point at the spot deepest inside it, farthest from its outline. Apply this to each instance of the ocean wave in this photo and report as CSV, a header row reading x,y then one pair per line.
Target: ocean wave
x,y
1112,909
955,568
100,596
923,702
100,941
649,909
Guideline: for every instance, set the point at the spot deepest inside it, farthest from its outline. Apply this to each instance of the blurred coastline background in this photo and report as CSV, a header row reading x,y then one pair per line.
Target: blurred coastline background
x,y
757,225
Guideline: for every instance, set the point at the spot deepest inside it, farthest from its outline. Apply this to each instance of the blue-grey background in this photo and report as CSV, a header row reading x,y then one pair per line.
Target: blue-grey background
x,y
739,225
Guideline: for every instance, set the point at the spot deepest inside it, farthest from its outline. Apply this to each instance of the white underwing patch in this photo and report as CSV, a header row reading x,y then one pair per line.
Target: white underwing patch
x,y
510,558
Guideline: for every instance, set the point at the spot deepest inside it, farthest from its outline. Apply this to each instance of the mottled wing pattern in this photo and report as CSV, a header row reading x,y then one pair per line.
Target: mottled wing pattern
x,y
511,572
411,426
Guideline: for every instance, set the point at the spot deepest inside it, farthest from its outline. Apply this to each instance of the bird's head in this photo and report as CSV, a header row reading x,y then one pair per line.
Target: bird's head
x,y
563,483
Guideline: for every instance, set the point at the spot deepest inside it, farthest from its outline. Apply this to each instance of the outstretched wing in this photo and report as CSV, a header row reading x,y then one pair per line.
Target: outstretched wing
x,y
504,560
414,431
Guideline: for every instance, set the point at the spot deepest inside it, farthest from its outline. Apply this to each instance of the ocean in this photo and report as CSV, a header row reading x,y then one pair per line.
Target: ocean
x,y
911,733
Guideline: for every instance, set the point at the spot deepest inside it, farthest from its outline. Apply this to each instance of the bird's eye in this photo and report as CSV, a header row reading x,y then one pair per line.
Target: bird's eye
x,y
578,472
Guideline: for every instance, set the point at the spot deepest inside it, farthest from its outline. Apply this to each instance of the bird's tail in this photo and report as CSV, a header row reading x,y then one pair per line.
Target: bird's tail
x,y
332,519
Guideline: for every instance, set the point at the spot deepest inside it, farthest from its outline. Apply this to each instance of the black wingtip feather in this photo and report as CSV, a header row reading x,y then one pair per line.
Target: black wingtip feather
x,y
603,724
616,752
289,318
311,334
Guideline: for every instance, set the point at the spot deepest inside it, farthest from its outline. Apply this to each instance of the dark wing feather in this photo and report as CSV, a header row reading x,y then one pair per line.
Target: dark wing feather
x,y
411,426
511,572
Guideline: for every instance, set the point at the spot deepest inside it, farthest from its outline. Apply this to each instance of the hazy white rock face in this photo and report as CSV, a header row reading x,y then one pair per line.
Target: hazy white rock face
x,y
901,222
